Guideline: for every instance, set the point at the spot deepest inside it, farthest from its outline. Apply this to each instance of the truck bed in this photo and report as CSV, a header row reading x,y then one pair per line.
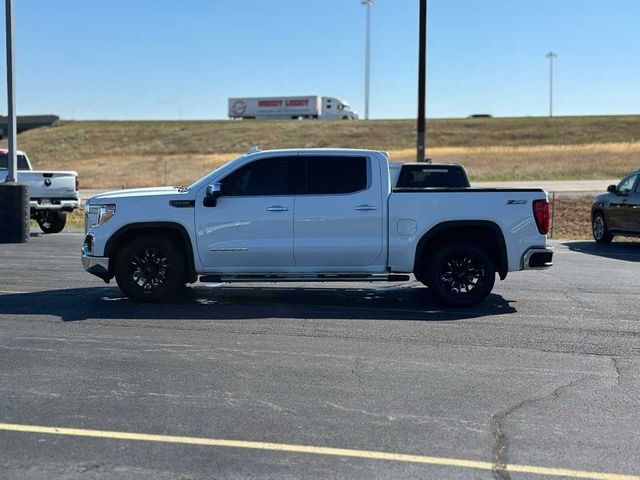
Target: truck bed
x,y
421,209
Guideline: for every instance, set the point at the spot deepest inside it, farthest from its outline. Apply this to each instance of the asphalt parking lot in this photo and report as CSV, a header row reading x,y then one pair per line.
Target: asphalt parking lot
x,y
263,381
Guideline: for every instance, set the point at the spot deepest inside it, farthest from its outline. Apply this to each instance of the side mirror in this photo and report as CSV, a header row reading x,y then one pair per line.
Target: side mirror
x,y
213,192
612,189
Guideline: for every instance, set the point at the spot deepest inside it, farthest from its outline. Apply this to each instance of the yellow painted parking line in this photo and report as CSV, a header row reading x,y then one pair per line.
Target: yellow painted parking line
x,y
291,448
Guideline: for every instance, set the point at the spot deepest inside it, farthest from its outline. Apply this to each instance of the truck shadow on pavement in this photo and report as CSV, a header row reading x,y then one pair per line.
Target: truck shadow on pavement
x,y
200,302
628,251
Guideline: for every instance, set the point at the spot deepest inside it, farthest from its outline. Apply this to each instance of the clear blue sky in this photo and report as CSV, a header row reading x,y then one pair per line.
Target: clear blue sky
x,y
159,59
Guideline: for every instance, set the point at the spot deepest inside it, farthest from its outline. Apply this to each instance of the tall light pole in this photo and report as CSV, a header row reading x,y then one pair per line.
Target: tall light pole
x,y
422,83
551,56
14,197
12,160
367,58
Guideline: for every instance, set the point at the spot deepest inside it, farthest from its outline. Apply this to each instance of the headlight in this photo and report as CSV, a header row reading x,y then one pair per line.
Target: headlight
x,y
100,214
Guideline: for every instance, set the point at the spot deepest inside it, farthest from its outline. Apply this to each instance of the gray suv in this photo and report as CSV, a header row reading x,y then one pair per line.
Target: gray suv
x,y
617,212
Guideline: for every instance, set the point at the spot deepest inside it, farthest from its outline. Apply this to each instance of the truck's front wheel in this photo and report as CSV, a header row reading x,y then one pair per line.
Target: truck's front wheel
x,y
461,274
52,221
150,269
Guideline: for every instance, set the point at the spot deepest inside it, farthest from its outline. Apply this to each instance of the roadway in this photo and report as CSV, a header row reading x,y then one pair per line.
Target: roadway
x,y
265,381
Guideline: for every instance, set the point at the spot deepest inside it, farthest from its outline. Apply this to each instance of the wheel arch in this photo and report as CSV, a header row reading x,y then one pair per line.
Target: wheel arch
x,y
596,210
176,232
485,233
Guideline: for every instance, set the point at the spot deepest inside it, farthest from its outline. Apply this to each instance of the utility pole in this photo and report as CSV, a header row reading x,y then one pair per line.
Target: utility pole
x,y
422,83
14,197
551,56
367,57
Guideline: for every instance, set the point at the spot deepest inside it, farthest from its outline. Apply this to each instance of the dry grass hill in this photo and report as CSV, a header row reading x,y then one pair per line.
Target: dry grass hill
x,y
145,153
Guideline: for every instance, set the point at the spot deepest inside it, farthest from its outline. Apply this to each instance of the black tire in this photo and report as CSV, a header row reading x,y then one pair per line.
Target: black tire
x,y
600,230
150,269
52,221
460,274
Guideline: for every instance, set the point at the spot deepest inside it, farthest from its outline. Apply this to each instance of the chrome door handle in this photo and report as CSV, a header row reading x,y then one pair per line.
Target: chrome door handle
x,y
365,207
277,208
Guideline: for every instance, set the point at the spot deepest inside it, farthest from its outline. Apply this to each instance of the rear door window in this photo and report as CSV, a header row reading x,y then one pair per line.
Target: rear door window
x,y
328,175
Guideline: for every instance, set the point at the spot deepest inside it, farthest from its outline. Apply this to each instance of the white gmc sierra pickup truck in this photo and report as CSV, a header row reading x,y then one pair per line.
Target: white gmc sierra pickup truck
x,y
314,215
51,194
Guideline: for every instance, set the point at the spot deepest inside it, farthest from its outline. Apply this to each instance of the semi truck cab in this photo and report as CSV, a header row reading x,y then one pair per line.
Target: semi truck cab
x,y
336,108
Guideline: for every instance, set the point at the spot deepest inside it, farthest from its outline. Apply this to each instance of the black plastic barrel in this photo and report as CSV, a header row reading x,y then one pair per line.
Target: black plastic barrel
x,y
14,213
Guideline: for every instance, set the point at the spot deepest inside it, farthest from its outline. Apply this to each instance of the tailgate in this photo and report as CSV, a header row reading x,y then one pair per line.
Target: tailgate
x,y
49,184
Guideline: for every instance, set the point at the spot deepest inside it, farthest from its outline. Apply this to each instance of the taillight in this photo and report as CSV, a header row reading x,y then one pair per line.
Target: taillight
x,y
541,214
77,183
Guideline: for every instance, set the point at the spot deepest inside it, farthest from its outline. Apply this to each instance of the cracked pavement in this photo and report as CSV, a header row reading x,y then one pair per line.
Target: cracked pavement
x,y
501,447
546,372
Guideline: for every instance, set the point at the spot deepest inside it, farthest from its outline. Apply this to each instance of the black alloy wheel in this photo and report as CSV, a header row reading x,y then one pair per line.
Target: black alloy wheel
x,y
150,269
461,274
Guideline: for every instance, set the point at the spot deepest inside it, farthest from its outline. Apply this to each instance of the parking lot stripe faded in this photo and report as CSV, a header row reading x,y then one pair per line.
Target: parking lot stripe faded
x,y
315,450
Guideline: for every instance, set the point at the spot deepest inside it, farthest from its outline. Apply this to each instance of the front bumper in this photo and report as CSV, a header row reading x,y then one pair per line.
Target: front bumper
x,y
98,266
537,258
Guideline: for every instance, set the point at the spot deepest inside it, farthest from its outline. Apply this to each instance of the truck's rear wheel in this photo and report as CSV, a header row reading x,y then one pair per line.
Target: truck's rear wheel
x,y
52,221
150,269
461,274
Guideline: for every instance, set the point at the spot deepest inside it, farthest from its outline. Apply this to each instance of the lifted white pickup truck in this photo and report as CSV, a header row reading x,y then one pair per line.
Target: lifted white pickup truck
x,y
51,194
314,215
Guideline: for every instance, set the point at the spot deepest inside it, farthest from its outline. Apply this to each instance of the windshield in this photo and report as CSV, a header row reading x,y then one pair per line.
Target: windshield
x,y
22,162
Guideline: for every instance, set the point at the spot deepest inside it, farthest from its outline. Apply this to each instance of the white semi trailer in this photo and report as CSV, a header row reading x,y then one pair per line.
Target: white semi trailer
x,y
285,108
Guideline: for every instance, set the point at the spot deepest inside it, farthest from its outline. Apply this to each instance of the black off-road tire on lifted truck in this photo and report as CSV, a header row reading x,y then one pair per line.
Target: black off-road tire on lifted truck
x,y
600,230
460,274
52,221
150,269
